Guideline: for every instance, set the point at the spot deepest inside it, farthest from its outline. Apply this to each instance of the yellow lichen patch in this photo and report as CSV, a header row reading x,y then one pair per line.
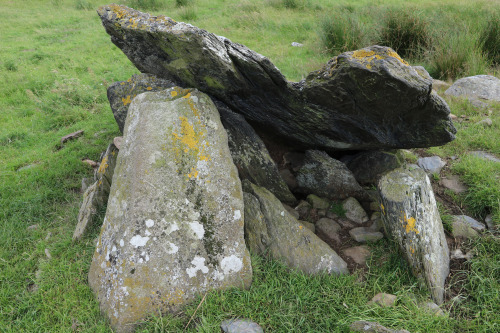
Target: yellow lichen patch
x,y
149,88
187,95
173,93
382,208
193,173
119,11
104,165
301,227
188,136
395,55
127,100
409,224
362,54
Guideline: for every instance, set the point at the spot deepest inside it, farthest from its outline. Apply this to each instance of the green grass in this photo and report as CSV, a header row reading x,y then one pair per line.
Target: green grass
x,y
56,62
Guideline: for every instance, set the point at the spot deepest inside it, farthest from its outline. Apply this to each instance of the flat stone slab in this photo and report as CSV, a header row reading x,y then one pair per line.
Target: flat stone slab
x,y
485,156
454,184
358,253
363,235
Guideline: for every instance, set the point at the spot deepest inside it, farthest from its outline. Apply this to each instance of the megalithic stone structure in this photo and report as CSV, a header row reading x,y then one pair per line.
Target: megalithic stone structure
x,y
364,99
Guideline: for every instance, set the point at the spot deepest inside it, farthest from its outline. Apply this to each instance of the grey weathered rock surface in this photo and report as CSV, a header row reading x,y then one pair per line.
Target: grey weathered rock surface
x,y
363,235
364,99
489,221
251,157
96,195
271,230
354,211
411,216
329,228
121,94
326,177
432,164
174,224
466,227
476,87
240,326
368,166
317,202
372,327
358,253
454,184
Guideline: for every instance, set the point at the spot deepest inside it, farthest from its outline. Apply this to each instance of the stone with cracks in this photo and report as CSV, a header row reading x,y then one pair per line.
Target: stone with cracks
x,y
485,87
364,99
174,223
271,230
410,214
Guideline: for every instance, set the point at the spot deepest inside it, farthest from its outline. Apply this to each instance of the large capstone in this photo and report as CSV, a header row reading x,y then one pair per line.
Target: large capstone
x,y
174,223
410,214
364,99
271,230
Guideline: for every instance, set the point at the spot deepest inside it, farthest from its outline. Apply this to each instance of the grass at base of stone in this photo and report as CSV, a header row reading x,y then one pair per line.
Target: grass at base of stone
x,y
287,301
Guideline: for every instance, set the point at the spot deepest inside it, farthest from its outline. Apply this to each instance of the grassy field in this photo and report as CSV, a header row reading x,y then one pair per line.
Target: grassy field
x,y
56,62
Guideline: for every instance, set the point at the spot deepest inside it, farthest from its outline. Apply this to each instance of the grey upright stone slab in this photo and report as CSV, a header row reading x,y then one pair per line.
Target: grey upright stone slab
x,y
271,230
411,216
174,224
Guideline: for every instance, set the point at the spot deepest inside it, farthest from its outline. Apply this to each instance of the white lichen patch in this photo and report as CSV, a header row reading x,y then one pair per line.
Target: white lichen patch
x,y
147,233
199,265
237,215
150,223
122,242
231,264
171,228
138,241
282,213
198,229
173,248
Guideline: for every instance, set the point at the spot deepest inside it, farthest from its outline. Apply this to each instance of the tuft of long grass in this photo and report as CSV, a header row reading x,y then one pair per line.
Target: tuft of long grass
x,y
146,4
489,39
457,54
407,32
341,32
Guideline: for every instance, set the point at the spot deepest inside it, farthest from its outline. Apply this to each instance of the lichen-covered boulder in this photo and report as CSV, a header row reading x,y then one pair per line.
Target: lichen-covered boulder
x,y
410,215
96,195
326,177
174,223
271,230
364,99
121,94
251,156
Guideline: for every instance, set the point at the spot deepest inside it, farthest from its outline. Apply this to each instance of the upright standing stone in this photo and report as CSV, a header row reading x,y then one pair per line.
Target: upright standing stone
x,y
410,214
174,224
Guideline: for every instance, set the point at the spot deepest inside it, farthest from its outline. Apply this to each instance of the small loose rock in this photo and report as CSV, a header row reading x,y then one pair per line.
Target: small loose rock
x,y
71,136
363,235
240,326
384,300
354,211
